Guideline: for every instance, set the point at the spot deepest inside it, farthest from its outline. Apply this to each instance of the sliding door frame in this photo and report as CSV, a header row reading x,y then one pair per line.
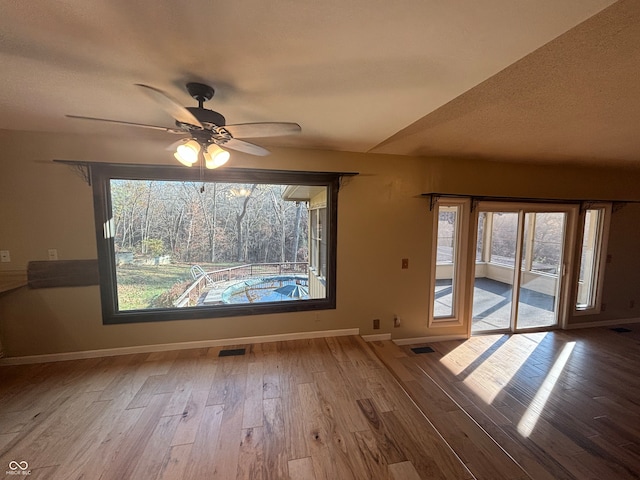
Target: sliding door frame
x,y
566,270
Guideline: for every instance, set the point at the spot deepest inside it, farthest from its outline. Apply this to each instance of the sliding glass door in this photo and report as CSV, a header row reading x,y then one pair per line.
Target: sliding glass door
x,y
519,266
541,269
495,266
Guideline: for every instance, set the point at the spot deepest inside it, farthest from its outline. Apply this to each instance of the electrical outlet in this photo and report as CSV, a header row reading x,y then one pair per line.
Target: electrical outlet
x,y
376,324
52,253
5,256
396,321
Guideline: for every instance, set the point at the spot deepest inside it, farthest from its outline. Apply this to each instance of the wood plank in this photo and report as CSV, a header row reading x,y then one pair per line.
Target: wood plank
x,y
135,441
45,473
328,461
146,392
129,380
290,406
271,377
190,419
103,448
387,450
175,463
227,450
301,469
201,460
403,471
253,406
251,464
424,448
62,273
150,463
107,374
337,401
37,443
6,439
275,457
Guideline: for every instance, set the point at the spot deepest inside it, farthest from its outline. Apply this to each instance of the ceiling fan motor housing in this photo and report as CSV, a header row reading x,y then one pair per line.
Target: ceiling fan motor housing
x,y
213,123
208,116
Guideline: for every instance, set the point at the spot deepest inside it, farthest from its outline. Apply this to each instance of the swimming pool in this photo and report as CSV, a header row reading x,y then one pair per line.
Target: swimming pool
x,y
268,289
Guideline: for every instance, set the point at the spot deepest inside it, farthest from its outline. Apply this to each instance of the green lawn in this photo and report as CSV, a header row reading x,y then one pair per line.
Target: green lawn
x,y
154,286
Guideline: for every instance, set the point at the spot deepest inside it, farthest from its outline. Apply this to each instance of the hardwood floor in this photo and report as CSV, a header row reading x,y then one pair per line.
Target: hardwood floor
x,y
335,408
563,405
312,409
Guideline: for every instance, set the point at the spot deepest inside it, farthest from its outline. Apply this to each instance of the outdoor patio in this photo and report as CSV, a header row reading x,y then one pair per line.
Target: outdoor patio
x,y
492,305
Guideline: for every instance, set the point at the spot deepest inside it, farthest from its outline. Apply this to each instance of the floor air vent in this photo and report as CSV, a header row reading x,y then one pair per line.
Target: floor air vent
x,y
422,350
621,330
232,352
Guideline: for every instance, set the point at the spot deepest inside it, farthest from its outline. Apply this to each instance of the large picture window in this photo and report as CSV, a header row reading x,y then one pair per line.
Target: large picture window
x,y
176,243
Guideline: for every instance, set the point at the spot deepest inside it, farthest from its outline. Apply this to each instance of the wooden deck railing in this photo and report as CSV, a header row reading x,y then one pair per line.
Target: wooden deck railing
x,y
240,272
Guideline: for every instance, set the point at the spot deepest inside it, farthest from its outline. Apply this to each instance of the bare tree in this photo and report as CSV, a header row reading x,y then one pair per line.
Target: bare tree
x,y
255,225
239,217
296,233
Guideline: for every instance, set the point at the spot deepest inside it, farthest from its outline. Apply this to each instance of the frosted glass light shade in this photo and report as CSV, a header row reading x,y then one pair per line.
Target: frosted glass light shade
x,y
187,153
215,156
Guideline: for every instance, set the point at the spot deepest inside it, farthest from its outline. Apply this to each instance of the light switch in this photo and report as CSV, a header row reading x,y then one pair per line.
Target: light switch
x,y
5,257
405,263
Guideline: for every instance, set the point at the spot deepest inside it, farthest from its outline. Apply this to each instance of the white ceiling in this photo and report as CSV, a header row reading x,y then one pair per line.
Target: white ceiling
x,y
498,79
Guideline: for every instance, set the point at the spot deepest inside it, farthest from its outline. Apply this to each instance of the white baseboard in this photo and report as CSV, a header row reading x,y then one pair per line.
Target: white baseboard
x,y
110,352
376,337
603,323
431,339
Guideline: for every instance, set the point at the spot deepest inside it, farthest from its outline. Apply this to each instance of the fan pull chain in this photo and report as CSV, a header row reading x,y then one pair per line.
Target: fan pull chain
x,y
201,162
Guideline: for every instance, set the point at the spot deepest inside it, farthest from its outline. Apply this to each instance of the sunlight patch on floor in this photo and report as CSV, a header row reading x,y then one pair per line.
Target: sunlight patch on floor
x,y
461,357
487,380
534,410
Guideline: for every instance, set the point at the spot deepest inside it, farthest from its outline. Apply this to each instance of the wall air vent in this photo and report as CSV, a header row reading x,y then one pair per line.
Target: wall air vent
x,y
232,352
422,350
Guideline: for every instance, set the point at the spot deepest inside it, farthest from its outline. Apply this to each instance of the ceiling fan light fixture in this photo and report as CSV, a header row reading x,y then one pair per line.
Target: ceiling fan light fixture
x,y
187,153
215,157
206,128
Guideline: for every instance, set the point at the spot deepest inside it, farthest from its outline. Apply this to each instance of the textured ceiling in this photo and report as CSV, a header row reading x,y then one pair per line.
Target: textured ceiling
x,y
576,98
535,80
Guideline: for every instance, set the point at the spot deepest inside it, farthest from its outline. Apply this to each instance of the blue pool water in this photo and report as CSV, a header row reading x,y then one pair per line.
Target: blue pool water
x,y
268,289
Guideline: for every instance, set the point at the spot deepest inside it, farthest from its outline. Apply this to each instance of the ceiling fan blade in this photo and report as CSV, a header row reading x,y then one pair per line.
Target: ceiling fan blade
x,y
264,129
129,124
171,106
246,147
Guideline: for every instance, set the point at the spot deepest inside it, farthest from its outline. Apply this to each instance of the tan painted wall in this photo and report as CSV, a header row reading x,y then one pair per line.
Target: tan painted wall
x,y
45,205
382,219
622,273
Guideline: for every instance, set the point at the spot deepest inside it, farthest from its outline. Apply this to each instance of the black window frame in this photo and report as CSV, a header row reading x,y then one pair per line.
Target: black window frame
x,y
101,175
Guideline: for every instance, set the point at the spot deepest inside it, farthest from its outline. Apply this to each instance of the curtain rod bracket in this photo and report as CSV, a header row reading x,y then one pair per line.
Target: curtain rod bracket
x,y
81,169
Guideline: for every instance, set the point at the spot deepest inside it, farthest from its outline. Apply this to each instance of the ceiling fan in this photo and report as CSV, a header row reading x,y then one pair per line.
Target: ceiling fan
x,y
209,135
